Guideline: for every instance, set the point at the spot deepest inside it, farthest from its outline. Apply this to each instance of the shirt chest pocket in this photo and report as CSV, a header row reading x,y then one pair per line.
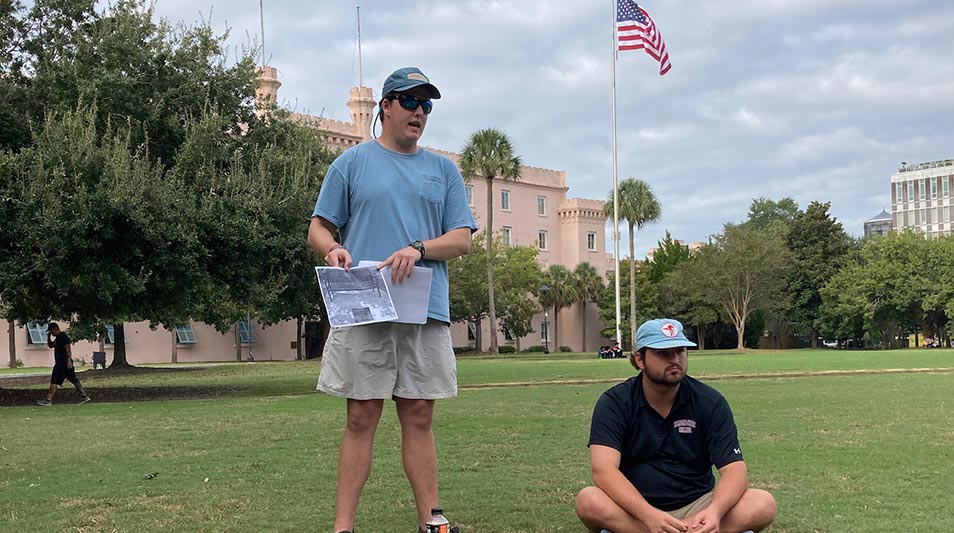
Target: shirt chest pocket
x,y
431,189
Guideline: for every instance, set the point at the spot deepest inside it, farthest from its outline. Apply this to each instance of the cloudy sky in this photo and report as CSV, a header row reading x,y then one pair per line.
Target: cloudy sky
x,y
812,99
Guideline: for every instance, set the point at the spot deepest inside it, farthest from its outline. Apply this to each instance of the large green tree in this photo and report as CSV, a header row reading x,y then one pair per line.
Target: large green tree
x,y
742,271
819,247
489,156
890,290
681,295
149,188
646,303
638,206
589,287
561,292
517,276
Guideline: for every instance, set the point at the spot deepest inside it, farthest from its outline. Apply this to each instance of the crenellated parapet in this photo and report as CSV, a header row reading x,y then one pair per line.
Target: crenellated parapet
x,y
581,211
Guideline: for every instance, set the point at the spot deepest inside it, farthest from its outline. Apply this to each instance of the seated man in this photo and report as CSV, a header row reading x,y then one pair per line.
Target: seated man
x,y
617,351
603,351
653,442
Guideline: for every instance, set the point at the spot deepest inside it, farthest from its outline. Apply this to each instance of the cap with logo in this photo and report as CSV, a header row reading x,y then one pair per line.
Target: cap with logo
x,y
407,78
661,333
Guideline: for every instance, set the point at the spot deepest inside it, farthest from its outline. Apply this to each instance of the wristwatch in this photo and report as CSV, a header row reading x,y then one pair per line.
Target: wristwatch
x,y
419,246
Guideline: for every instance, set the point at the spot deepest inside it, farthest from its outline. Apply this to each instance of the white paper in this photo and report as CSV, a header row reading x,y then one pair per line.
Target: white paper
x,y
412,296
356,296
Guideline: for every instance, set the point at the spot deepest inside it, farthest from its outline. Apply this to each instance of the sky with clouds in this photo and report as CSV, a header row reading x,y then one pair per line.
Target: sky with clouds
x,y
809,99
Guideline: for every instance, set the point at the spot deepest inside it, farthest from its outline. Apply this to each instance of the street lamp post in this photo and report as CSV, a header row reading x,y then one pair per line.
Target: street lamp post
x,y
546,322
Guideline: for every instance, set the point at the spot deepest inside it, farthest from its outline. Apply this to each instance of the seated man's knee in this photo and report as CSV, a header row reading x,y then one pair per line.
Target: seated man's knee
x,y
591,505
766,504
757,509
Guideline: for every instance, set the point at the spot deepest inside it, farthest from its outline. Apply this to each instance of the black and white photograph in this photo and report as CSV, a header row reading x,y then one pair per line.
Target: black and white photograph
x,y
356,296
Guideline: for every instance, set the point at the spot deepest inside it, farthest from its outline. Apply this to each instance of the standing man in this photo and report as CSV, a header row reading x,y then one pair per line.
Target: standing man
x,y
62,364
393,202
653,442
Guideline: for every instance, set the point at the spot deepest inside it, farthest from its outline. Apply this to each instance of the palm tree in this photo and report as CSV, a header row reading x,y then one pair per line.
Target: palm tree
x,y
639,206
562,292
589,286
488,155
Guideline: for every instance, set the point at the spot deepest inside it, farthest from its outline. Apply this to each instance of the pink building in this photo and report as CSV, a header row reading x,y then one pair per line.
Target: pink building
x,y
533,211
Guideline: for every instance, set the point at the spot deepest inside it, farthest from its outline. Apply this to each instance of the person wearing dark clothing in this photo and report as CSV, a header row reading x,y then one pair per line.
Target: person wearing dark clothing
x,y
617,351
653,442
62,365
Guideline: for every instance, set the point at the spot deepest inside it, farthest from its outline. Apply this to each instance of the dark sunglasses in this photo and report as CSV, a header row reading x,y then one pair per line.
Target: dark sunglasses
x,y
411,102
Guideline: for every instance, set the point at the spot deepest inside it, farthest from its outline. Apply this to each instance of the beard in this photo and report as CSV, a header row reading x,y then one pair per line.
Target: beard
x,y
665,377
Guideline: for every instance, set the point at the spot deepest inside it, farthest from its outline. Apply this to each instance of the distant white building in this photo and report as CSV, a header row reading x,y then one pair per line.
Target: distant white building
x,y
921,198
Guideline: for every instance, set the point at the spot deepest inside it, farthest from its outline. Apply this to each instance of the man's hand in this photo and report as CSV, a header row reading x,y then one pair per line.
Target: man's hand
x,y
338,257
663,522
705,521
402,264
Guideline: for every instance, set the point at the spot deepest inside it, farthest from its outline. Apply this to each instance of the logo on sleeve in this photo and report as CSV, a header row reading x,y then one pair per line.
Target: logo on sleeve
x,y
737,451
684,425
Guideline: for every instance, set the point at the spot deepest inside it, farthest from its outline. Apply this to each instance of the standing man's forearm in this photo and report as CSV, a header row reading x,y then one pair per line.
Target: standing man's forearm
x,y
454,243
320,237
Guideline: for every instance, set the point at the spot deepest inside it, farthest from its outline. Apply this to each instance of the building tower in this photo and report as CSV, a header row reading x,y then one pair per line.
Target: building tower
x,y
361,104
268,84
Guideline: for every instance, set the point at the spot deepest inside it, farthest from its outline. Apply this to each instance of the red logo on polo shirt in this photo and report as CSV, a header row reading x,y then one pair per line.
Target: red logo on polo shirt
x,y
669,329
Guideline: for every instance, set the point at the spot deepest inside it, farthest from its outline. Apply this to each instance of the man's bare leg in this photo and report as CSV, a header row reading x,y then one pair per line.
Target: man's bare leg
x,y
598,511
419,452
754,511
51,392
354,458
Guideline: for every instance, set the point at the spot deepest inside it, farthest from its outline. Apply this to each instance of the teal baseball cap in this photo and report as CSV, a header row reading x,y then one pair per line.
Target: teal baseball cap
x,y
407,78
661,333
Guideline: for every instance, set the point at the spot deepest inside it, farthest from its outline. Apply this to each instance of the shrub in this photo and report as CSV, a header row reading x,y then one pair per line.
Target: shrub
x,y
533,349
565,349
462,349
19,363
507,349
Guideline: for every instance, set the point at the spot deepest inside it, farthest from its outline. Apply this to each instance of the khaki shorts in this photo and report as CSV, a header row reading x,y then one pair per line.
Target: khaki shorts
x,y
686,511
388,359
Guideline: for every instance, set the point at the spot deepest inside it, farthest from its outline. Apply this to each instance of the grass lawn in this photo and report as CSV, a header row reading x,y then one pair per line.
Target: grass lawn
x,y
841,453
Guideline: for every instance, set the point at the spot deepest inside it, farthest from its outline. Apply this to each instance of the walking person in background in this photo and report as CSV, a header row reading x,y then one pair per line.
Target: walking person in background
x,y
62,365
396,203
653,442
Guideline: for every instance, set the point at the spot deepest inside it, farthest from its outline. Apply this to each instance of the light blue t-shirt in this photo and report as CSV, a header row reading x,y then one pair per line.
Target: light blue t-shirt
x,y
381,200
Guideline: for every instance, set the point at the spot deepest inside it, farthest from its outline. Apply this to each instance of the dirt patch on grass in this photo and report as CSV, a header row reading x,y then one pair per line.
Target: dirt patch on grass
x,y
11,397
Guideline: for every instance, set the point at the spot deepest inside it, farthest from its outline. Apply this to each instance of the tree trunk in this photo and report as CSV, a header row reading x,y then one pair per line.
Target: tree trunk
x,y
238,343
740,330
478,336
583,318
556,330
298,338
814,338
119,347
175,346
701,331
12,334
632,288
491,311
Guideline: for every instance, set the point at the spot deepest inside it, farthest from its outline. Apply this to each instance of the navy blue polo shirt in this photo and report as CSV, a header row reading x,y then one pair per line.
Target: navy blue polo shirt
x,y
670,460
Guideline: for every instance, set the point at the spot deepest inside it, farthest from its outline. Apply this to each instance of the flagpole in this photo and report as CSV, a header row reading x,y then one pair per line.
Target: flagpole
x,y
619,337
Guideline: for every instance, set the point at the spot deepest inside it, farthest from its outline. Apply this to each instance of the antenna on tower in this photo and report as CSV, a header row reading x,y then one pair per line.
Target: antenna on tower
x,y
360,73
261,17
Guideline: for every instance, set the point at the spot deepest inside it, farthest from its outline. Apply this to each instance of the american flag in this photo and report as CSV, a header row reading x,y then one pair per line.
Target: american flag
x,y
637,31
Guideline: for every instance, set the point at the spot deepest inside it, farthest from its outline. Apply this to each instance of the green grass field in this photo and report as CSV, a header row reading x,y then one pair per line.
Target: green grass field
x,y
865,452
